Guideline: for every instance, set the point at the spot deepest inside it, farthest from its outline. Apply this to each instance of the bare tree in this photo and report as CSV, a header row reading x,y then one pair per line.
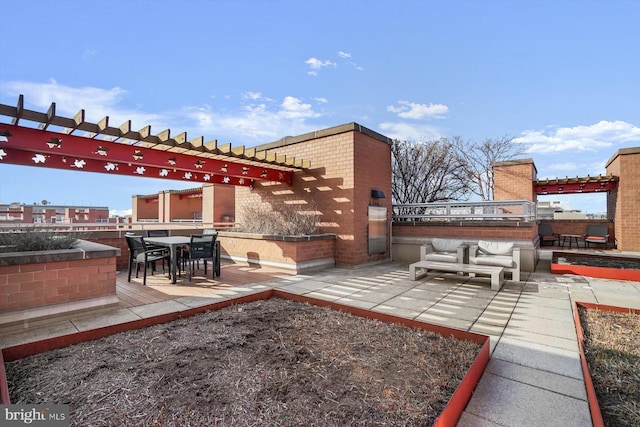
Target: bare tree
x,y
479,158
431,171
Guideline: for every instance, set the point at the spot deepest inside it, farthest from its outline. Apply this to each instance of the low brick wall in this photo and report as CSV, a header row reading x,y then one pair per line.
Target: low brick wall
x,y
298,253
35,279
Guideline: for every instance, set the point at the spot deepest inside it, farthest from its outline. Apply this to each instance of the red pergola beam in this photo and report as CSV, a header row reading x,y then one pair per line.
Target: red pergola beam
x,y
574,187
57,161
61,146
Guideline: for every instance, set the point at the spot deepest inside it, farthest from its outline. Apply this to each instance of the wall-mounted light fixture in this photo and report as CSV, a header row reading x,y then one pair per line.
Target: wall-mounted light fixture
x,y
377,194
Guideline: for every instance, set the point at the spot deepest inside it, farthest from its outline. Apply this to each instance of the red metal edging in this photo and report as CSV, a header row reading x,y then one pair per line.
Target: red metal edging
x,y
599,272
594,407
448,417
4,388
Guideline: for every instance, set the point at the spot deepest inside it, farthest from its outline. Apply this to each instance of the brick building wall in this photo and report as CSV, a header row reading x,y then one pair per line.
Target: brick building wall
x,y
144,208
347,162
184,205
513,180
626,200
224,204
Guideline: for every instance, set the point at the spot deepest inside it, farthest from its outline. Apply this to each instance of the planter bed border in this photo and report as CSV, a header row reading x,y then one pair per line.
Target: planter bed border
x,y
449,416
592,399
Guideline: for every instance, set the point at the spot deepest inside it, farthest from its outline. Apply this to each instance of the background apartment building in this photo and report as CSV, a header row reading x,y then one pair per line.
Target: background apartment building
x,y
52,214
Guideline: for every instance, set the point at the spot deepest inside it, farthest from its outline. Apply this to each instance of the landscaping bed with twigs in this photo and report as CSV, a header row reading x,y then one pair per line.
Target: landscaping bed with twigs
x,y
271,362
612,349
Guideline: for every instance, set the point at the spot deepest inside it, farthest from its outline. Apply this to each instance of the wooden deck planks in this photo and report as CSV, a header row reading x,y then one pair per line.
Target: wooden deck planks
x,y
159,287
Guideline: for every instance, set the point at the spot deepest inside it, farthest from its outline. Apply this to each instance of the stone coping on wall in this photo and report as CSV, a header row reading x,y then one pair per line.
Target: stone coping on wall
x,y
82,250
280,238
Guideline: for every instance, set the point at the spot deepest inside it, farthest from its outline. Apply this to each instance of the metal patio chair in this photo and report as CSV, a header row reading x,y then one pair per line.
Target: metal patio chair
x,y
202,247
597,234
547,235
139,253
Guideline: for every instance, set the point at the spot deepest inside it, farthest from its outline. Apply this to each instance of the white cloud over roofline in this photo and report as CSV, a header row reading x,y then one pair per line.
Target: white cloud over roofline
x,y
603,134
261,120
410,132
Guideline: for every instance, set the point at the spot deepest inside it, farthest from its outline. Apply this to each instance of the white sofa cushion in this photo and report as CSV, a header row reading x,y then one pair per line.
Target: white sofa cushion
x,y
495,248
446,245
495,260
442,257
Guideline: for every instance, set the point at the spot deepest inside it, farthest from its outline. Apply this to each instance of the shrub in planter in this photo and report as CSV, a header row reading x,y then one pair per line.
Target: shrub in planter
x,y
37,240
289,220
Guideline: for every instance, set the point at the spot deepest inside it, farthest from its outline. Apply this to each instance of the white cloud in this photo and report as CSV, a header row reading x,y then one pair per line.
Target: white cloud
x,y
344,54
294,108
412,110
315,64
603,134
97,102
252,95
256,122
255,96
568,166
123,212
260,120
321,100
410,132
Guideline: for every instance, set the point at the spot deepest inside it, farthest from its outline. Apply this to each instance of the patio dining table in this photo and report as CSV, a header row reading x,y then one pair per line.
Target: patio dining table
x,y
175,242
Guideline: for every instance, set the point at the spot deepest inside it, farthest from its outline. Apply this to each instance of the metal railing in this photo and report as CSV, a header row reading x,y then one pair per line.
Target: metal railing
x,y
523,210
101,226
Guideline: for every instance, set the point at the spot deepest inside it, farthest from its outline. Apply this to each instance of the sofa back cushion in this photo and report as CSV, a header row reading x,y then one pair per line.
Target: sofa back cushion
x,y
445,245
495,248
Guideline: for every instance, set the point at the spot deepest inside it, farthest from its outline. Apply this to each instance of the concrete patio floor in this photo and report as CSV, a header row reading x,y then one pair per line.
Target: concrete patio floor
x,y
533,378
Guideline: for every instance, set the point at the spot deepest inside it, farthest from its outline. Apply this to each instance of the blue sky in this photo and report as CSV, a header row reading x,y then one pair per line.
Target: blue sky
x,y
562,77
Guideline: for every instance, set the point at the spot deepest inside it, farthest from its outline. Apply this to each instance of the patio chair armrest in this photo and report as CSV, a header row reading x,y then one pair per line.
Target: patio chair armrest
x,y
462,254
516,257
473,251
425,249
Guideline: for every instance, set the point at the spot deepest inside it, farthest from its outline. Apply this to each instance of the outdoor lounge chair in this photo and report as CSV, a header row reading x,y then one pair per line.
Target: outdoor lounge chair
x,y
498,254
139,253
597,234
445,250
547,235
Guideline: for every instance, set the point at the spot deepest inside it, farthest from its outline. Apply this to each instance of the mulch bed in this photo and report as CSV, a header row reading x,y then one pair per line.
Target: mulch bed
x,y
612,349
273,362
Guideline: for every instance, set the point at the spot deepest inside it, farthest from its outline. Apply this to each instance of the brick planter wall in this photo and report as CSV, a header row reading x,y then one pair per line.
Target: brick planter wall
x,y
35,279
298,253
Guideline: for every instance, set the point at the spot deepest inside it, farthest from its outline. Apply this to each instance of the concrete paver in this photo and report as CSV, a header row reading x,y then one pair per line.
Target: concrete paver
x,y
539,356
522,404
534,377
